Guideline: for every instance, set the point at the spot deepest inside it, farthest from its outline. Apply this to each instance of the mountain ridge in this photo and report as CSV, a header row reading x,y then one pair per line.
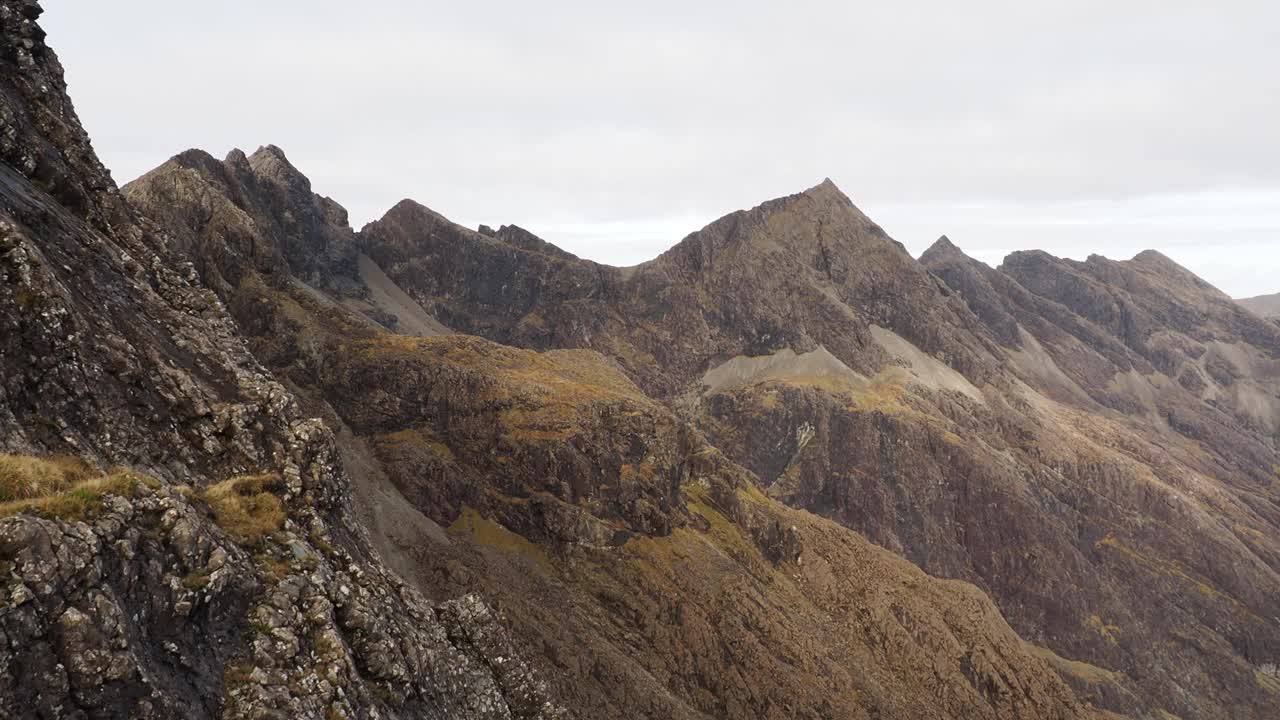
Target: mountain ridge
x,y
1150,353
474,439
1131,341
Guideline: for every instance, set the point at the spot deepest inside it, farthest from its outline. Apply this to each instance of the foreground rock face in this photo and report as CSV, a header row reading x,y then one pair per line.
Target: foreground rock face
x,y
149,610
112,350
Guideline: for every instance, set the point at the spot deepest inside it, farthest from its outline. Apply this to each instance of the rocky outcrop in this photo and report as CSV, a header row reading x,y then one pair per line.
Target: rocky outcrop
x,y
149,608
251,212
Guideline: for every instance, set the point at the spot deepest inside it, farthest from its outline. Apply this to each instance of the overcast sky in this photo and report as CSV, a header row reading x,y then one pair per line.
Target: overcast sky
x,y
615,129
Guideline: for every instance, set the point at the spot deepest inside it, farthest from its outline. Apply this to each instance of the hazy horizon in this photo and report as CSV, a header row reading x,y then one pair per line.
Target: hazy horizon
x,y
614,132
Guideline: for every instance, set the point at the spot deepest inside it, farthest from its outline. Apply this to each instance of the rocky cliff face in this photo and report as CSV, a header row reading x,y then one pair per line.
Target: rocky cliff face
x,y
253,213
222,574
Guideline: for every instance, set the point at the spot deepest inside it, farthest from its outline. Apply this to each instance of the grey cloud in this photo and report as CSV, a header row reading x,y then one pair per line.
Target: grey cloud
x,y
1078,127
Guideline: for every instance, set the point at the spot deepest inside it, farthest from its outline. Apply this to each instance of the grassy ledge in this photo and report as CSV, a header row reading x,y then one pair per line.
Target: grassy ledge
x,y
61,488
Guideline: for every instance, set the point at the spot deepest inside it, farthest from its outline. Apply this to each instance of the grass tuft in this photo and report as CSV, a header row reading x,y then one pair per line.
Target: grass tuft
x,y
247,507
61,488
23,477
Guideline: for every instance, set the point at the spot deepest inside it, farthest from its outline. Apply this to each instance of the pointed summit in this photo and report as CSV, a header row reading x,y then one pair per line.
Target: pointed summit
x,y
942,250
269,162
820,224
1157,263
250,213
827,192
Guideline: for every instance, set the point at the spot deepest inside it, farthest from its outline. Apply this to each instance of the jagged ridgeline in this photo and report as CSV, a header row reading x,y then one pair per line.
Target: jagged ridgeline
x,y
256,464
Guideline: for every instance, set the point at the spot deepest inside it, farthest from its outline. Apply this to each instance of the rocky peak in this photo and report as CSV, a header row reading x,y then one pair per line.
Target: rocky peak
x,y
410,213
254,212
977,283
817,227
1158,264
828,191
942,250
270,164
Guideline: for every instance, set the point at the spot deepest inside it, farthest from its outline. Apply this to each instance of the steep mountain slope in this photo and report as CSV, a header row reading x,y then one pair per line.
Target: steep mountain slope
x,y
223,574
1094,444
1264,305
645,571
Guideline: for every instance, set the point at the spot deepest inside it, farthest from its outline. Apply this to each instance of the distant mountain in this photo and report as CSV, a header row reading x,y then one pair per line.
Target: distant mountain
x,y
1062,434
1264,305
799,272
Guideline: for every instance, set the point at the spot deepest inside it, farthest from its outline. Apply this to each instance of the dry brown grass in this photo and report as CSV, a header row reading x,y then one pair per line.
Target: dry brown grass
x,y
1102,628
1267,682
247,507
1171,568
59,487
23,477
544,394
